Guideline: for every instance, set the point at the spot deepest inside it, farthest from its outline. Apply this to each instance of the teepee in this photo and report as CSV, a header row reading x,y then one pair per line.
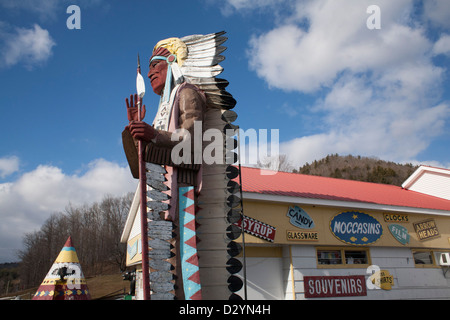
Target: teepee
x,y
65,280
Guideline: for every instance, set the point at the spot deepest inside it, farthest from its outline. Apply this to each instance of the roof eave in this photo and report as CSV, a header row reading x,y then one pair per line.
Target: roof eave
x,y
339,203
131,216
419,172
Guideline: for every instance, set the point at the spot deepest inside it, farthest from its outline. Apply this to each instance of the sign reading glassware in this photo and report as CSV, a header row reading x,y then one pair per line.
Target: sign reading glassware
x,y
302,236
356,228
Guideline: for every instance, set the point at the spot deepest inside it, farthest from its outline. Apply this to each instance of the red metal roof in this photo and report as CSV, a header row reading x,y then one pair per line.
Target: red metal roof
x,y
261,181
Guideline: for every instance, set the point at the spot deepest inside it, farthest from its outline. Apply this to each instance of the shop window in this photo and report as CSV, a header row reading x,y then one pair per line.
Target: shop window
x,y
423,257
356,257
427,258
329,256
437,256
342,257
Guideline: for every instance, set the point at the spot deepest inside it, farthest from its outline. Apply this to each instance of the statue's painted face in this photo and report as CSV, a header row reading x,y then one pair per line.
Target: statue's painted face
x,y
157,75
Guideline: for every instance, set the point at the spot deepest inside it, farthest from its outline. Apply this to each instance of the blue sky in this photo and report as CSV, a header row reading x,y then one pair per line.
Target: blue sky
x,y
311,69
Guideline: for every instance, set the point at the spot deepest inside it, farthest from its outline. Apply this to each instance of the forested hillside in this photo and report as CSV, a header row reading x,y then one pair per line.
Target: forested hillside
x,y
359,168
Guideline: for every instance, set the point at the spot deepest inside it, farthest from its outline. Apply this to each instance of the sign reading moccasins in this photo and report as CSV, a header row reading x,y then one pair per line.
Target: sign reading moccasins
x,y
356,228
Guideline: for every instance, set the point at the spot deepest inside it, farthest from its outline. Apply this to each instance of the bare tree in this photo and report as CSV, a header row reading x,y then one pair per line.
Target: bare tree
x,y
95,231
276,163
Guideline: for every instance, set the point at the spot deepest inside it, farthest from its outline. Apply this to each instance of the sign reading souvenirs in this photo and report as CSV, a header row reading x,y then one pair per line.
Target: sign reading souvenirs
x,y
335,286
426,229
400,233
302,236
356,228
299,218
258,228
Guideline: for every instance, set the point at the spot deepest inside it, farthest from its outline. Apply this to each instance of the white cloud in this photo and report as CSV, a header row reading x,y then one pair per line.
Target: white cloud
x,y
251,4
306,149
437,12
292,57
248,6
442,46
30,47
8,165
44,8
379,90
26,203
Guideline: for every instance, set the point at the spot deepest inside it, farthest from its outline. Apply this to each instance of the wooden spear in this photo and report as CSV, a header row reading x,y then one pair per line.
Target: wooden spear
x,y
140,87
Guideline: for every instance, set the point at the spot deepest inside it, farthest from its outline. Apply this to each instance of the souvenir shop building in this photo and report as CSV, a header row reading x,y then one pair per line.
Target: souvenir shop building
x,y
310,237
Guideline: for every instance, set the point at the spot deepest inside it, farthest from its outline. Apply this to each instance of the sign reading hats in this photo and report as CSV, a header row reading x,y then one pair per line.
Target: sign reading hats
x,y
356,228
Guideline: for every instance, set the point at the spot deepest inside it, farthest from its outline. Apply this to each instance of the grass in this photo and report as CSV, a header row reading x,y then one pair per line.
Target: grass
x,y
100,287
104,285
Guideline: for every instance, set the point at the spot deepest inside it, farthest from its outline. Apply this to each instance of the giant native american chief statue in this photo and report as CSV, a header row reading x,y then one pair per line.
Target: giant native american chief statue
x,y
190,190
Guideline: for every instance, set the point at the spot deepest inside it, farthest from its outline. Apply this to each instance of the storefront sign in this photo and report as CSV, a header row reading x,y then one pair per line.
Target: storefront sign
x,y
426,229
382,279
258,228
302,236
334,286
400,233
299,218
356,228
388,217
133,249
